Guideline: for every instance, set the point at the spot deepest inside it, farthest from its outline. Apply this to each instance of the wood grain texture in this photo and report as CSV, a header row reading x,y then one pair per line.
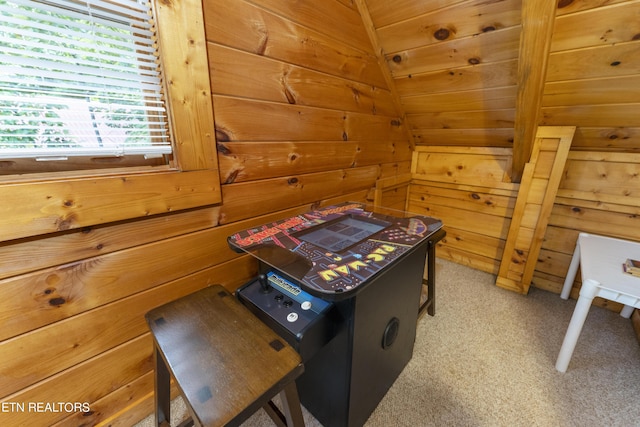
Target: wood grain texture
x,y
460,20
274,36
472,100
480,170
241,74
62,248
618,115
379,52
587,60
603,26
392,192
248,120
243,200
625,139
137,395
541,179
467,186
250,161
59,205
568,7
186,73
494,46
535,43
459,79
236,362
84,382
598,62
73,340
469,120
345,19
490,137
384,12
591,91
37,299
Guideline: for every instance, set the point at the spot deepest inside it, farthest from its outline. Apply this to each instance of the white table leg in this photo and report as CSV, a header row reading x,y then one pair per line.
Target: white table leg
x,y
571,273
587,293
627,311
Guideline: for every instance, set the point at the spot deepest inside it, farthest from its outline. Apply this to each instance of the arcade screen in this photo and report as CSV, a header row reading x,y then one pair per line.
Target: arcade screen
x,y
338,235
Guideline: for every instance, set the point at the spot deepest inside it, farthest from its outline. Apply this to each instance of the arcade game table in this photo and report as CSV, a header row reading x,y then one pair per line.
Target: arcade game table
x,y
342,284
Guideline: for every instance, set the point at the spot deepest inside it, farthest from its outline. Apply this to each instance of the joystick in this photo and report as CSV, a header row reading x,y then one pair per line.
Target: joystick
x,y
264,284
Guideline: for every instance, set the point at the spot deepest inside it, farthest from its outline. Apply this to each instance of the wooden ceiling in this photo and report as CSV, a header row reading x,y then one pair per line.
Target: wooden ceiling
x,y
486,72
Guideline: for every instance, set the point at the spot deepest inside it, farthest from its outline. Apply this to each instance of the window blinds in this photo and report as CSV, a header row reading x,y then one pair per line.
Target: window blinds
x,y
79,78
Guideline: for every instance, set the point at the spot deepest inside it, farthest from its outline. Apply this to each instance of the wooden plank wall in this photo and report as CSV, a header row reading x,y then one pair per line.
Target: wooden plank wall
x,y
599,194
303,118
454,64
320,121
455,71
468,188
392,192
593,75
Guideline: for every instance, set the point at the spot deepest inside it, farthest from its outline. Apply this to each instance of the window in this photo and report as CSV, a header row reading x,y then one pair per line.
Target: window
x,y
80,79
35,204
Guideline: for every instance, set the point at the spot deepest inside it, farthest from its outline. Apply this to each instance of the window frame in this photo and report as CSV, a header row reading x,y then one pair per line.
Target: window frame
x,y
36,204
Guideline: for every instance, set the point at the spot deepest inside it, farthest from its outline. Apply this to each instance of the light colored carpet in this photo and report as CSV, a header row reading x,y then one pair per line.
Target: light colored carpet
x,y
488,359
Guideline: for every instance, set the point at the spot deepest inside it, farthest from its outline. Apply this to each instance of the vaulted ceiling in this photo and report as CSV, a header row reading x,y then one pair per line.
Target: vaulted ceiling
x,y
486,73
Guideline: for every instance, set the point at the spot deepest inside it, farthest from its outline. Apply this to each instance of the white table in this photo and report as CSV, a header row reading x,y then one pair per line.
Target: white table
x,y
600,260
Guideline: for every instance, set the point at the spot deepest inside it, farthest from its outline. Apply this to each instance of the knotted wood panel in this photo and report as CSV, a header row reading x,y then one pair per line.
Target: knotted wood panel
x,y
541,178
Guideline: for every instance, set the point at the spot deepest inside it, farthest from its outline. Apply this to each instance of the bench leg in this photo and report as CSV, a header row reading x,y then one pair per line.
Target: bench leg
x,y
275,414
292,416
291,405
163,390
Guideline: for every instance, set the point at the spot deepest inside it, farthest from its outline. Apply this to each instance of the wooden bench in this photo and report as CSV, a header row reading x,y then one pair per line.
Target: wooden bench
x,y
226,362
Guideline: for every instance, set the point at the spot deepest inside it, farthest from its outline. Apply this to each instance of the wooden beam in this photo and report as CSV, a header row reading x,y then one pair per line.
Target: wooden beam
x,y
538,18
363,9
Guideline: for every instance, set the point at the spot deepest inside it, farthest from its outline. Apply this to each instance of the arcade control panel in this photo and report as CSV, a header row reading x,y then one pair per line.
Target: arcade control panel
x,y
305,321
